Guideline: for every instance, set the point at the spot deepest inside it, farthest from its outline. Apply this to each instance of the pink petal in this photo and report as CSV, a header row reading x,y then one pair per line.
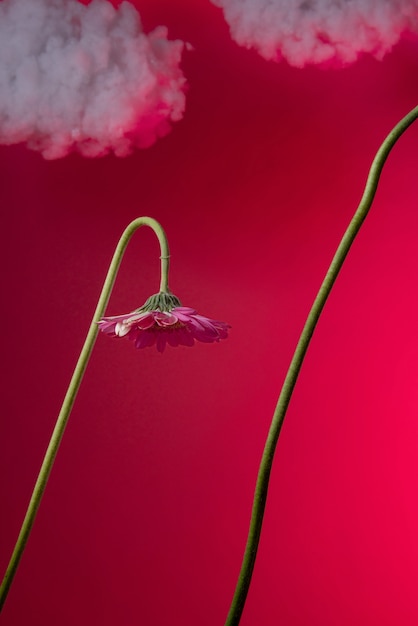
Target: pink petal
x,y
144,339
185,337
107,327
172,338
222,328
163,318
182,317
184,310
122,329
205,338
118,324
145,321
116,318
202,325
161,341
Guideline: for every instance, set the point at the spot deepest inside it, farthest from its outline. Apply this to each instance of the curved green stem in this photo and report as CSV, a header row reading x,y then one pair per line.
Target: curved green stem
x,y
263,477
74,386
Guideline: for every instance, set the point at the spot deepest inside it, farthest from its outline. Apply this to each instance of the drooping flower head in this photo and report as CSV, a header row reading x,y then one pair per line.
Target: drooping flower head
x,y
163,320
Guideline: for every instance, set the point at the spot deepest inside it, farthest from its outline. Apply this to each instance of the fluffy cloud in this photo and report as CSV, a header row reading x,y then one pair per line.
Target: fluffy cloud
x,y
86,78
319,31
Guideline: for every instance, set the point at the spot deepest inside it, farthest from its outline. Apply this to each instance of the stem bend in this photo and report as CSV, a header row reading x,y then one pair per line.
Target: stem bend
x,y
74,386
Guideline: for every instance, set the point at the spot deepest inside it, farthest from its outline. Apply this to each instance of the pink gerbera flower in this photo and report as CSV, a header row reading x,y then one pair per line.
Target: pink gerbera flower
x,y
162,320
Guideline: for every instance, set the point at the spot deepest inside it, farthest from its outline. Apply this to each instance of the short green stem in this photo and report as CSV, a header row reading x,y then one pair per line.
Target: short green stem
x,y
74,386
260,496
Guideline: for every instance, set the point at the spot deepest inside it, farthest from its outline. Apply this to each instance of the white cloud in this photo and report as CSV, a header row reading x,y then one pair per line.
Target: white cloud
x,y
86,78
319,31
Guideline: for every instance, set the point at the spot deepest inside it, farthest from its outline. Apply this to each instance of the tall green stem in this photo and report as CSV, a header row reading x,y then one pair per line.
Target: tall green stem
x,y
74,386
263,477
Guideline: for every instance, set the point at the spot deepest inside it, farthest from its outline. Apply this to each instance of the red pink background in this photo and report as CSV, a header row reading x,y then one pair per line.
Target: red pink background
x,y
145,517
